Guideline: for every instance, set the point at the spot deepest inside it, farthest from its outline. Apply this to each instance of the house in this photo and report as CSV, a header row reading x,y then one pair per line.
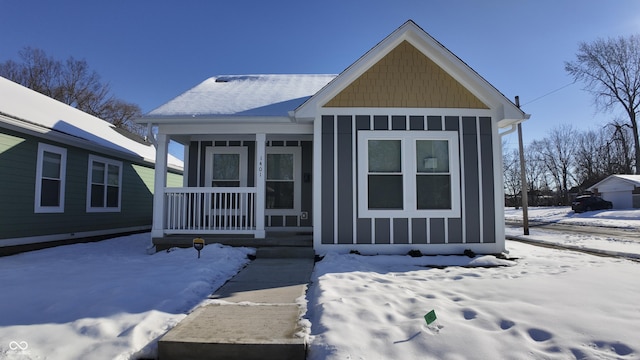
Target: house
x,y
401,151
68,176
622,190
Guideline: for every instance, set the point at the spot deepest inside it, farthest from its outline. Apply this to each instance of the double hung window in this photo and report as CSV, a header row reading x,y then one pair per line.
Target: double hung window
x,y
408,173
50,179
104,185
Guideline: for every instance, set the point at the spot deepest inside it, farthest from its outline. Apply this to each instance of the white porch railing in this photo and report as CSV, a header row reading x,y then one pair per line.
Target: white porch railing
x,y
210,210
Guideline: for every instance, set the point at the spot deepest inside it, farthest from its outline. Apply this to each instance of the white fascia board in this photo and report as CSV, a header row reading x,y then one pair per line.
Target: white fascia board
x,y
213,119
235,128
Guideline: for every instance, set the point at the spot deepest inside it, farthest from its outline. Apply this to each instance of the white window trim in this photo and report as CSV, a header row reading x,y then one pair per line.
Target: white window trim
x,y
297,181
211,150
63,172
408,164
105,161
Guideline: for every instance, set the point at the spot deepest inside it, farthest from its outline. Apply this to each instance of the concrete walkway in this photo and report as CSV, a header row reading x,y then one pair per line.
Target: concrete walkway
x,y
254,315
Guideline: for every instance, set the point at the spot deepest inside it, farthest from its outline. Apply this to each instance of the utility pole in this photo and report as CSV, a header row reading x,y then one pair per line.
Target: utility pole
x,y
523,178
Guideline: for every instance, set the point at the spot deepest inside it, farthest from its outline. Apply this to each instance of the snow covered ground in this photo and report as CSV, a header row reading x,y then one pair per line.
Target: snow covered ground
x,y
104,300
618,219
546,304
626,219
111,300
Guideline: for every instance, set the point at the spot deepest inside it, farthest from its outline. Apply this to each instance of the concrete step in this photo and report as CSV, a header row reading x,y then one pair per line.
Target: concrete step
x,y
285,252
234,332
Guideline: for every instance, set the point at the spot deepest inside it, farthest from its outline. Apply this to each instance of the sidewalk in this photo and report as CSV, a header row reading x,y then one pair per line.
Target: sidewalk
x,y
253,316
595,246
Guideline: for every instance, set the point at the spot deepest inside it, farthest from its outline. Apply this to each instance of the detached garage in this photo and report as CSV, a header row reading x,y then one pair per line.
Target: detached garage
x,y
622,190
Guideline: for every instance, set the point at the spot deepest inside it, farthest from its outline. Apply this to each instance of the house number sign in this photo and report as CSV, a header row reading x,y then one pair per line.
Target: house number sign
x,y
260,166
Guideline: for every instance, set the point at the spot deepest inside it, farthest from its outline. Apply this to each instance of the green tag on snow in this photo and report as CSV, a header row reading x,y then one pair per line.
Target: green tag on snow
x,y
430,317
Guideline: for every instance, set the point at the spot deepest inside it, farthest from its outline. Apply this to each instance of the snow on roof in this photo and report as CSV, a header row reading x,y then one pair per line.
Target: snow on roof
x,y
244,95
29,107
631,178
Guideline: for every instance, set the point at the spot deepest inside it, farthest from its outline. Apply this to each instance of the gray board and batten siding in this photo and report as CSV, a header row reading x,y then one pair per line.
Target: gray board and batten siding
x,y
477,223
197,164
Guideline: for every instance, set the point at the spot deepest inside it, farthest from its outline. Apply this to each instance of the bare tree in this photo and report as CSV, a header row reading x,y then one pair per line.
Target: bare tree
x,y
73,83
511,174
611,71
592,157
557,153
621,156
535,175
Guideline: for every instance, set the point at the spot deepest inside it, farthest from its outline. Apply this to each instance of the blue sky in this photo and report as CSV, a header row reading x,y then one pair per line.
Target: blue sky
x,y
151,51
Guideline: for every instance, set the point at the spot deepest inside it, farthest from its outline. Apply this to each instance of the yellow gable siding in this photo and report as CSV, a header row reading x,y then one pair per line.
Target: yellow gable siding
x,y
406,78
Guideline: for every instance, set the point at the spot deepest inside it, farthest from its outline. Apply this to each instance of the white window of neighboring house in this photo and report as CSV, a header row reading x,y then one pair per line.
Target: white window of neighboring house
x,y
283,185
408,173
104,189
50,179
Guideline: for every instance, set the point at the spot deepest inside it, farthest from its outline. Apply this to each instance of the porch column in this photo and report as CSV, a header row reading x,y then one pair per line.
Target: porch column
x,y
261,168
159,183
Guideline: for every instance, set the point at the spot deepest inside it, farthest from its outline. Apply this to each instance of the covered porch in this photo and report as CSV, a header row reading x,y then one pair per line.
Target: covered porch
x,y
237,187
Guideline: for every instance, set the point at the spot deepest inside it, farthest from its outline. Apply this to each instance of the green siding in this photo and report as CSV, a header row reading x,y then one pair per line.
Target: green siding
x,y
18,153
173,180
17,183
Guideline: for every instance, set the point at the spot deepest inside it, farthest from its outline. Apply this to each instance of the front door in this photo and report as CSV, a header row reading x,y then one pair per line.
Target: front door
x,y
226,167
283,186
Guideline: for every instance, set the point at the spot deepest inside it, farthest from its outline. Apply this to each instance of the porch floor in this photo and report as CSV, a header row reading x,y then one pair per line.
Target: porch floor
x,y
272,239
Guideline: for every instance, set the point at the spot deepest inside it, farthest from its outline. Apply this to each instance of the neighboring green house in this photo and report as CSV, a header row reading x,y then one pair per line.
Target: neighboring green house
x,y
67,176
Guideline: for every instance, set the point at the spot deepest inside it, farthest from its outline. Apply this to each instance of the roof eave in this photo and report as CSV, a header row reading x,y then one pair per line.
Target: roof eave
x,y
217,119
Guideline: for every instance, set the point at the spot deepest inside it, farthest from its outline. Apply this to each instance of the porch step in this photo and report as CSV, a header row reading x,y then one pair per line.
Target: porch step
x,y
281,252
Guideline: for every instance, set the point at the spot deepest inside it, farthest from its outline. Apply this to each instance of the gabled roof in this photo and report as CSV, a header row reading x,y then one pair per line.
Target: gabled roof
x,y
242,96
412,34
633,180
28,110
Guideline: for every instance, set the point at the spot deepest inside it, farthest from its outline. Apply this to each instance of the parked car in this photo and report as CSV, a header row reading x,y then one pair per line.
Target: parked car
x,y
588,203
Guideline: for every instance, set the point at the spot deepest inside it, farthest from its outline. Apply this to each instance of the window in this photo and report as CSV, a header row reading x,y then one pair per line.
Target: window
x,y
433,180
104,184
283,189
385,174
408,173
226,166
50,179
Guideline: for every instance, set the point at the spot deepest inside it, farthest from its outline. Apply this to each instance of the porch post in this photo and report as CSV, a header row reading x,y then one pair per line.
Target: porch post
x,y
160,182
261,168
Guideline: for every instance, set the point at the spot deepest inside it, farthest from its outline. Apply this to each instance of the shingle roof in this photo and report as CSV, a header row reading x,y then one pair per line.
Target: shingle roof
x,y
28,108
244,95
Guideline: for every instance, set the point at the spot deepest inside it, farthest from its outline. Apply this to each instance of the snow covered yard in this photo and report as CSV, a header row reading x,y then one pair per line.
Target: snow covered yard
x,y
547,304
104,300
626,219
111,300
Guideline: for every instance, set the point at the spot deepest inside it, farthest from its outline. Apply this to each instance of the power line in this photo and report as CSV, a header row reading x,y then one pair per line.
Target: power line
x,y
549,93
